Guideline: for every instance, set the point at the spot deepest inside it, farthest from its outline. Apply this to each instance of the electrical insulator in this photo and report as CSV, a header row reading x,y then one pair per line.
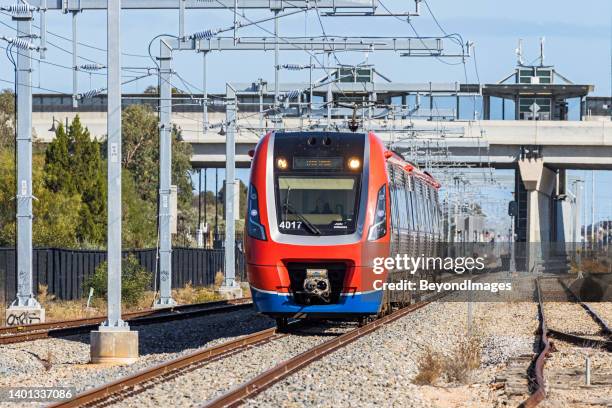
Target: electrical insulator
x,y
294,67
19,9
20,43
203,35
92,67
91,93
292,94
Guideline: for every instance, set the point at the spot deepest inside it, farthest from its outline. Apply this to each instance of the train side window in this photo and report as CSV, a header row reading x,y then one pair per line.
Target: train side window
x,y
401,199
437,212
393,198
426,207
419,204
407,182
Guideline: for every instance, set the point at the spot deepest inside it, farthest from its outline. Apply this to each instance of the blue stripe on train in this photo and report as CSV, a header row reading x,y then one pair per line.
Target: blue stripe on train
x,y
349,304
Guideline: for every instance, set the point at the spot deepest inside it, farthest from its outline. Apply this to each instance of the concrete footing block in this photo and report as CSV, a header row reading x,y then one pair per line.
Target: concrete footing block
x,y
230,292
164,303
114,346
24,315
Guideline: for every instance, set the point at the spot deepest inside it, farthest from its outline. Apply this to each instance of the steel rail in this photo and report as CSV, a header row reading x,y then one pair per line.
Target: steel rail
x,y
605,329
17,334
100,394
123,385
268,378
545,348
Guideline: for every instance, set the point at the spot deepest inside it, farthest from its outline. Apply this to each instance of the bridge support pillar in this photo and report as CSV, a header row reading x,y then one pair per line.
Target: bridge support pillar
x,y
539,181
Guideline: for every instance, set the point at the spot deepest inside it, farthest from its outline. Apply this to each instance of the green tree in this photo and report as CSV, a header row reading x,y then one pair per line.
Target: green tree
x,y
140,150
139,216
74,165
56,215
7,194
135,280
7,119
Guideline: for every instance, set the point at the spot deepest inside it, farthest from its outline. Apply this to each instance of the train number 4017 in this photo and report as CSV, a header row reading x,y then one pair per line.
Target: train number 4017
x,y
290,224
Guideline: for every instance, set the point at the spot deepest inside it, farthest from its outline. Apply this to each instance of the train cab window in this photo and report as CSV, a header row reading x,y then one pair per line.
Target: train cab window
x,y
322,205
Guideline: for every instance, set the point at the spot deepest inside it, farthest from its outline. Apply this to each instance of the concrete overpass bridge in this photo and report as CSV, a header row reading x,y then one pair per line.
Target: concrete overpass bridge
x,y
539,151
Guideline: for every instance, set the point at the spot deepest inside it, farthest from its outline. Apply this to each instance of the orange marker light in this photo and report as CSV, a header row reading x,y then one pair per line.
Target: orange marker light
x,y
354,163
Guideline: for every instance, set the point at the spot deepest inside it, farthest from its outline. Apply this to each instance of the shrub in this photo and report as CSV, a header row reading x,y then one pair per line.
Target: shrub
x,y
135,280
464,359
430,367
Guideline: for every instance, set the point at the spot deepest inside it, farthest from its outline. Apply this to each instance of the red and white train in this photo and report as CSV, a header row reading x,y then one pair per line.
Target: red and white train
x,y
321,207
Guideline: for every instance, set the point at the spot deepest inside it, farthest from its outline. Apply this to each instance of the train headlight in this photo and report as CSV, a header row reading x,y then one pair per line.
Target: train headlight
x,y
379,227
254,227
354,163
281,163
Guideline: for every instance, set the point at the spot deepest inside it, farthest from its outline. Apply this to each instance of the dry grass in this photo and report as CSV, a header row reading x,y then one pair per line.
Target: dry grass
x,y
190,294
455,367
219,278
594,265
464,359
56,310
62,309
430,366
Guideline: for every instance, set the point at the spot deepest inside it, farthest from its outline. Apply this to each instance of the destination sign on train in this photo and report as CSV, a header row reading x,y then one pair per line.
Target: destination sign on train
x,y
317,163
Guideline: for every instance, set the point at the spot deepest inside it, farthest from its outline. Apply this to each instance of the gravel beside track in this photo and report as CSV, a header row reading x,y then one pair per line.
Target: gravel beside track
x,y
604,310
570,318
565,367
378,370
20,363
207,382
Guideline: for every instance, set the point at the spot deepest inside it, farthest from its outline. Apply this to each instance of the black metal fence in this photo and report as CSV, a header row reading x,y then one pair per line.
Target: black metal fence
x,y
65,270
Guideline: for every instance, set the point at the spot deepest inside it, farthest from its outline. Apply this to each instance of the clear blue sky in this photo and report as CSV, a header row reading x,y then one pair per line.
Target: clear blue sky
x,y
577,41
577,36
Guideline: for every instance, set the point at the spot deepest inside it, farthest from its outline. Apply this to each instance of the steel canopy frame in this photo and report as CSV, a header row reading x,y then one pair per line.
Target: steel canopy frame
x,y
24,95
81,5
432,46
25,296
411,45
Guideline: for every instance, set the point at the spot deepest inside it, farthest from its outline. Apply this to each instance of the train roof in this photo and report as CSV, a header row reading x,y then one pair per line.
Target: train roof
x,y
412,168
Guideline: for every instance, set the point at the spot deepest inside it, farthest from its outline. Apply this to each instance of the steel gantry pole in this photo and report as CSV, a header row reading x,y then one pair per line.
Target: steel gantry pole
x,y
204,92
114,169
75,68
25,304
165,176
230,287
113,342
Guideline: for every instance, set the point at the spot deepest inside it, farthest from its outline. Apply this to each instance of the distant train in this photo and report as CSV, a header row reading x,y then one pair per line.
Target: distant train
x,y
321,207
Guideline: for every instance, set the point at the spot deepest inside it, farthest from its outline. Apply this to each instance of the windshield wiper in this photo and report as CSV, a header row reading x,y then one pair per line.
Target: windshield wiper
x,y
307,223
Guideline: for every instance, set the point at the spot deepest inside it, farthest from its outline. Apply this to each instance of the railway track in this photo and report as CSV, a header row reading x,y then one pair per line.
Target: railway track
x,y
601,342
140,381
18,334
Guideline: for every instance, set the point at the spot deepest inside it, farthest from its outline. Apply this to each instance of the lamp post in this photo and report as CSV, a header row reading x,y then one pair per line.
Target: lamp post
x,y
53,128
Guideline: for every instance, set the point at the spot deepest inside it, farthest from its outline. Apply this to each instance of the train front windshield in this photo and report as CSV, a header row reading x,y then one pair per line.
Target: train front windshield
x,y
317,181
317,205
